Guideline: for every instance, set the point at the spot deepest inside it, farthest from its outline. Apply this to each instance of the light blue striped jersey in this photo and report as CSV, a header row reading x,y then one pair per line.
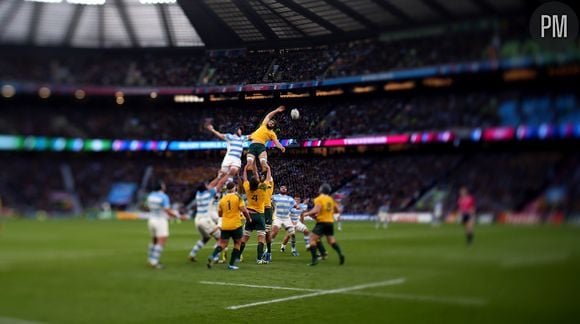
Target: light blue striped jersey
x,y
283,205
157,201
203,200
235,145
295,212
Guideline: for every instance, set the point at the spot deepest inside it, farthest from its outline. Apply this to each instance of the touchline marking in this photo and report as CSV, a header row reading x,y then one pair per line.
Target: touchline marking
x,y
391,282
256,286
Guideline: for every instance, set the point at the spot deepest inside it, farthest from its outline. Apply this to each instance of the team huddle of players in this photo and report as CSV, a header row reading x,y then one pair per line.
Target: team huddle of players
x,y
249,207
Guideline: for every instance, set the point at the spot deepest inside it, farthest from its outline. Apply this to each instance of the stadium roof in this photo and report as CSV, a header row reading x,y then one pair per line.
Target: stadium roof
x,y
221,23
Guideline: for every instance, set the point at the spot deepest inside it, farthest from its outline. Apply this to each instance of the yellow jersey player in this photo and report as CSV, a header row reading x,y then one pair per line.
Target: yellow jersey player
x,y
268,216
256,195
323,211
259,138
230,207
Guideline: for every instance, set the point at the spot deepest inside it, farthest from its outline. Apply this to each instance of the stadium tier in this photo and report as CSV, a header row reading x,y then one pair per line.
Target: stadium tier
x,y
485,41
321,118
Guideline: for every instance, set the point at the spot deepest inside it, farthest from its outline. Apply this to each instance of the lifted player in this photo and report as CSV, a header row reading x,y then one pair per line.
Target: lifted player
x,y
259,138
233,159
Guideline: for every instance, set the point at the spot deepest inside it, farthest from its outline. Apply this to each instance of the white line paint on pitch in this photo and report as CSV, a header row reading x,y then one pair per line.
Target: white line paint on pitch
x,y
392,282
256,286
467,301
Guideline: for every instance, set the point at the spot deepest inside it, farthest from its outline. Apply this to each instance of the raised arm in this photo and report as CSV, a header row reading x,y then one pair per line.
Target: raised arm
x,y
269,174
271,114
216,133
213,183
245,173
255,171
279,145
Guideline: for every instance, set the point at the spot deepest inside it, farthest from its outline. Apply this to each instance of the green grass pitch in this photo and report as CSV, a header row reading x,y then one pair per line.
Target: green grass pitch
x,y
80,271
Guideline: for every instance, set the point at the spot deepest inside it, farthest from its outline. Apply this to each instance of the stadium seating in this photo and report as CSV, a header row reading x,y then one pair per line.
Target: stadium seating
x,y
330,118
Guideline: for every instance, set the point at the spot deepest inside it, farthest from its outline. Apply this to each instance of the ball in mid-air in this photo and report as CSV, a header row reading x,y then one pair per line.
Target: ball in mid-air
x,y
295,114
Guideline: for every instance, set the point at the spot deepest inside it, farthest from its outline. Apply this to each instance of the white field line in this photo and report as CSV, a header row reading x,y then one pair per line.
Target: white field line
x,y
467,301
257,286
392,282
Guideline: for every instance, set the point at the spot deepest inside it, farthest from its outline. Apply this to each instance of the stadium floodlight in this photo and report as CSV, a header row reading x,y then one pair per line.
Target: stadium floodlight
x,y
157,1
87,2
46,1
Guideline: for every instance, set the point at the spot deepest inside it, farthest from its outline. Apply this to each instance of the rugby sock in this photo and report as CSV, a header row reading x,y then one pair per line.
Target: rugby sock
x,y
242,247
196,248
260,250
155,254
313,252
235,255
216,252
150,254
293,242
336,247
306,240
269,247
321,248
469,238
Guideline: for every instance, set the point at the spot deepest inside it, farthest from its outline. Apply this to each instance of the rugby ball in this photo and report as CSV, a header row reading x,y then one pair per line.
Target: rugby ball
x,y
295,114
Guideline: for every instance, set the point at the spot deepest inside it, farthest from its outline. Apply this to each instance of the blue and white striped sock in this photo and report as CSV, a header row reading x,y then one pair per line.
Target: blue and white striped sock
x,y
155,254
306,240
196,248
150,251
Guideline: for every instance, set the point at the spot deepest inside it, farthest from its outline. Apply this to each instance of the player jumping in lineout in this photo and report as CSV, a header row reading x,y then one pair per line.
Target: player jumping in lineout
x,y
233,159
259,138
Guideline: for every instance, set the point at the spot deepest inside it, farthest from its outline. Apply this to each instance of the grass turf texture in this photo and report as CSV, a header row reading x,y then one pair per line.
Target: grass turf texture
x,y
80,271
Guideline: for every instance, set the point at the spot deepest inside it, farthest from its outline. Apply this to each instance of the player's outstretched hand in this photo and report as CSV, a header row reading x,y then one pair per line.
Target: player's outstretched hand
x,y
283,149
281,108
209,127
